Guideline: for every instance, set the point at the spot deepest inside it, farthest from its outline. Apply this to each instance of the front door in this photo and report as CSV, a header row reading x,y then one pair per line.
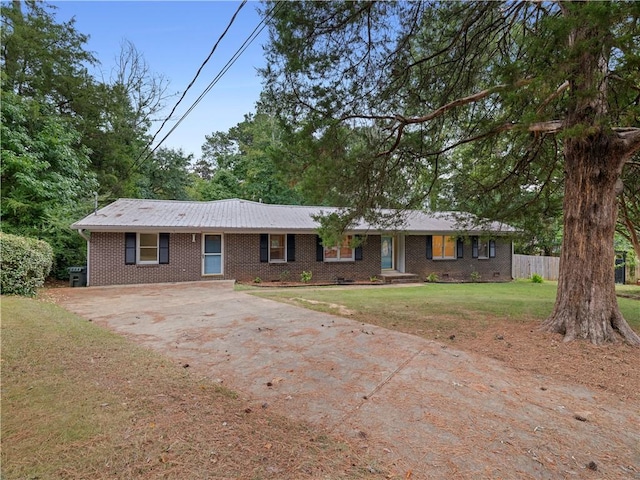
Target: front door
x,y
386,253
212,255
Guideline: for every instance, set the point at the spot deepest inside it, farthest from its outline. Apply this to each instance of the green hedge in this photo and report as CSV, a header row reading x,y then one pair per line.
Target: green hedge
x,y
24,264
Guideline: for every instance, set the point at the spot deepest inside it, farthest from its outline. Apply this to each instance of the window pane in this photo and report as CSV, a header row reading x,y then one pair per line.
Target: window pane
x,y
277,241
277,247
450,247
148,240
331,253
483,249
346,253
212,243
148,254
212,264
437,246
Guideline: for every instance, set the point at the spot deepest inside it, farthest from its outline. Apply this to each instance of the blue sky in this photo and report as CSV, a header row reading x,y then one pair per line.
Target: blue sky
x,y
175,37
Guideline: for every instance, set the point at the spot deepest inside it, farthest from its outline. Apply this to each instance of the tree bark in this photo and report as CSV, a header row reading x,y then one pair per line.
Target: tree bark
x,y
594,155
586,306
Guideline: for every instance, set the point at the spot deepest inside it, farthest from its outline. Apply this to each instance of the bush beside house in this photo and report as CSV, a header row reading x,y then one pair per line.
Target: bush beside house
x,y
25,263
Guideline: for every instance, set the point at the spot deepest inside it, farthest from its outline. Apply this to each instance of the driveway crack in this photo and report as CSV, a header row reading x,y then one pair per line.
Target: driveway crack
x,y
378,387
391,375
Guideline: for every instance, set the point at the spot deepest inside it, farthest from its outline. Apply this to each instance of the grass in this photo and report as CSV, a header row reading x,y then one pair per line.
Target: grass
x,y
628,291
432,308
80,402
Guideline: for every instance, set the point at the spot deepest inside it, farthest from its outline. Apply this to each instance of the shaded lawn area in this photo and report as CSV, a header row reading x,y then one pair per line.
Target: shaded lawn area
x,y
499,320
80,402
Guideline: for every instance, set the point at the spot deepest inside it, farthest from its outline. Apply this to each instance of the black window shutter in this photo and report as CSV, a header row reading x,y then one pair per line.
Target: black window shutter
x,y
130,248
319,249
429,247
264,247
460,247
492,248
291,248
358,252
474,247
163,252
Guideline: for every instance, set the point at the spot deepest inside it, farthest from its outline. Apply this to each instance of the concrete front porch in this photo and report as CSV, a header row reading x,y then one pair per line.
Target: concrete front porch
x,y
393,276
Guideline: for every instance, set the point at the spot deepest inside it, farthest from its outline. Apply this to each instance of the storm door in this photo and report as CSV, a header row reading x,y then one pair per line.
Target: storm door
x,y
212,255
386,253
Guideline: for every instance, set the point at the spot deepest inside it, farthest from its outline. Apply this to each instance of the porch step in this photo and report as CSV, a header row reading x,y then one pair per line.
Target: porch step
x,y
397,277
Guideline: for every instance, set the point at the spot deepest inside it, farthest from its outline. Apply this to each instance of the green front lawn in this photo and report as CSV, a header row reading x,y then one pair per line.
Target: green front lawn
x,y
439,305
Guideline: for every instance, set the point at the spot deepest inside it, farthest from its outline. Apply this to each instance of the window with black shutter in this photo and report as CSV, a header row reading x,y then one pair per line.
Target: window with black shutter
x,y
264,247
319,249
130,248
358,251
163,253
291,248
483,249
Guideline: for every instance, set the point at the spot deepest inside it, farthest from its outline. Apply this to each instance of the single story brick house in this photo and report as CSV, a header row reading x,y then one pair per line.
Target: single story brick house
x,y
148,241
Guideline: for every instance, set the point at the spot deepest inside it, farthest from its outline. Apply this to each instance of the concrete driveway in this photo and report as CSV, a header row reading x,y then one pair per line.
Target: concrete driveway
x,y
423,409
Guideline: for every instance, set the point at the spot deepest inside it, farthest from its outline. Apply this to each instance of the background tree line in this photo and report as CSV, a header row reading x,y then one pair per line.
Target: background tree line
x,y
68,136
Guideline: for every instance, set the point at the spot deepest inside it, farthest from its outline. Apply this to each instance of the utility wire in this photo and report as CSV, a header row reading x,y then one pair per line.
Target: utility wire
x,y
248,41
193,81
256,32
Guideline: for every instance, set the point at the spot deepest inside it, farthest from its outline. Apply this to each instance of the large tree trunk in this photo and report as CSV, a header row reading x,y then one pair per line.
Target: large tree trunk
x,y
586,305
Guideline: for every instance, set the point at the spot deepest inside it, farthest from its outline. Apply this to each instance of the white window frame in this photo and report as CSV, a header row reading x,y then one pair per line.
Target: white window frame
x,y
337,248
284,245
139,248
221,254
441,254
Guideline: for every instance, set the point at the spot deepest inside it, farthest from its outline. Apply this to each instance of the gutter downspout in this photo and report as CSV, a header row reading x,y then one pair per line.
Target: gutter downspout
x,y
83,235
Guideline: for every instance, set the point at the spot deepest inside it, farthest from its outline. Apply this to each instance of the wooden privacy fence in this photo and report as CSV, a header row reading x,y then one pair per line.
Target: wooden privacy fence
x,y
526,265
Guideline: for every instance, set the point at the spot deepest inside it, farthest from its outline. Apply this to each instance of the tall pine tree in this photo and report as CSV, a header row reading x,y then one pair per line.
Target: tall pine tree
x,y
548,91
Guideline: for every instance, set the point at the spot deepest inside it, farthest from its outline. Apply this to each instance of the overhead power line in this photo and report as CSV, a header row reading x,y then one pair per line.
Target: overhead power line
x,y
215,46
248,41
256,32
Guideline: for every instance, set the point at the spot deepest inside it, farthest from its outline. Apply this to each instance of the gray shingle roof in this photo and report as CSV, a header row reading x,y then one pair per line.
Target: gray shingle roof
x,y
235,215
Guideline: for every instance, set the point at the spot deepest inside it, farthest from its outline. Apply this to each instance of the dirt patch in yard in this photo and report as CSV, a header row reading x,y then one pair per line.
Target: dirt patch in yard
x,y
609,368
525,347
332,307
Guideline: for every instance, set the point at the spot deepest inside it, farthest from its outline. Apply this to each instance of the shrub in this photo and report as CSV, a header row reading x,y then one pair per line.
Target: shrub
x,y
284,276
432,278
475,277
537,278
24,264
306,276
257,280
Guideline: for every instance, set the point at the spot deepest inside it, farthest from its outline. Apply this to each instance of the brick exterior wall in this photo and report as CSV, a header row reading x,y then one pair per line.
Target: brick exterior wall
x,y
241,256
107,267
242,261
497,269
